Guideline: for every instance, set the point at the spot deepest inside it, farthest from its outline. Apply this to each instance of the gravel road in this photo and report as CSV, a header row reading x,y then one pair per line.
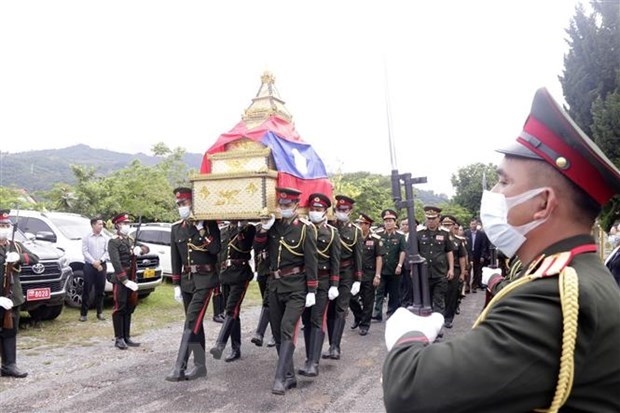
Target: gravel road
x,y
98,377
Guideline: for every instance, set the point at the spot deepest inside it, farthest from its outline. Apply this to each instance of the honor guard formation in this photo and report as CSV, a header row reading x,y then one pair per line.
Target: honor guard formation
x,y
548,338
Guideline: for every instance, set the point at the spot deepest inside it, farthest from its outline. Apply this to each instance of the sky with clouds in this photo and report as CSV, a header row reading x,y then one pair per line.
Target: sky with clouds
x,y
454,78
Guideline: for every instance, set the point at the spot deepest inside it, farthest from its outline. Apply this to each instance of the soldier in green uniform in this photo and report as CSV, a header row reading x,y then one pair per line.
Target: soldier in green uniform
x,y
194,246
395,248
12,256
261,263
450,224
291,244
122,249
328,250
434,244
236,274
548,340
372,262
350,273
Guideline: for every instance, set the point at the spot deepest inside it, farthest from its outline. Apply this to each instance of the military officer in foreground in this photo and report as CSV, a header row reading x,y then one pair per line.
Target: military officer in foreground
x,y
12,256
548,340
122,251
291,244
372,262
194,246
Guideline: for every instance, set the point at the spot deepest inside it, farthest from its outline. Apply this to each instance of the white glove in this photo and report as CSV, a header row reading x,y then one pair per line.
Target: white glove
x,y
332,293
131,285
268,223
177,294
137,250
12,257
404,321
310,299
6,303
355,288
487,273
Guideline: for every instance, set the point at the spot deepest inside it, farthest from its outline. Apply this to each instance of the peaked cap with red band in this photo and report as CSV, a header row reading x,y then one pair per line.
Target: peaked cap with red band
x,y
182,193
4,216
287,195
319,200
343,201
121,218
549,134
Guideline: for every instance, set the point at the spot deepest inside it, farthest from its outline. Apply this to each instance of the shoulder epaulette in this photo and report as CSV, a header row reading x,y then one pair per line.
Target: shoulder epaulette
x,y
380,231
422,228
330,226
356,226
375,236
177,222
552,265
305,221
461,238
400,232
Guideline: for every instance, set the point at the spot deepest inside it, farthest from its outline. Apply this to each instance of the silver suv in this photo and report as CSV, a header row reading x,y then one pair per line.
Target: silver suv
x,y
65,231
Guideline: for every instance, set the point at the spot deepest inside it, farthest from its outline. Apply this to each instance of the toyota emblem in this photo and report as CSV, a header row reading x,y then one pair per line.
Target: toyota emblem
x,y
38,268
146,263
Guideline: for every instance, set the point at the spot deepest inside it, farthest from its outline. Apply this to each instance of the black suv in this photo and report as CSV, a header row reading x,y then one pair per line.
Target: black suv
x,y
44,284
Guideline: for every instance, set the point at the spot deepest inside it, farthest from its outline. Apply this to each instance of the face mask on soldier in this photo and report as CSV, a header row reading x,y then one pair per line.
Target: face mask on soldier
x,y
5,233
342,216
185,212
124,229
316,216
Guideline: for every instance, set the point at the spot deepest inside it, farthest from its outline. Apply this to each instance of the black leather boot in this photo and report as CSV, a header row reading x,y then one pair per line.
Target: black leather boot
x,y
337,337
117,322
285,352
126,332
235,342
309,344
222,338
200,366
317,345
178,372
263,321
330,334
9,356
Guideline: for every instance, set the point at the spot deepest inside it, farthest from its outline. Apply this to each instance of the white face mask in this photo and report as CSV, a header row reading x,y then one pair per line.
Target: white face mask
x,y
316,216
124,229
6,233
342,216
185,212
287,213
494,209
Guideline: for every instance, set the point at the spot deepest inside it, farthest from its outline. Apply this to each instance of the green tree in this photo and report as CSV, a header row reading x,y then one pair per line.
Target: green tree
x,y
468,183
591,82
172,164
11,198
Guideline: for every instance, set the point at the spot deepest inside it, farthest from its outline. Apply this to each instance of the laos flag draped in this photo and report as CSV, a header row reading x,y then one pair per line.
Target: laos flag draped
x,y
298,165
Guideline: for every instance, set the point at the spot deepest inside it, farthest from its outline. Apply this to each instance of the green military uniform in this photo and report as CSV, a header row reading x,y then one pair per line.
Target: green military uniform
x,y
435,245
291,245
193,255
236,275
261,263
8,332
328,249
454,287
361,304
393,243
491,379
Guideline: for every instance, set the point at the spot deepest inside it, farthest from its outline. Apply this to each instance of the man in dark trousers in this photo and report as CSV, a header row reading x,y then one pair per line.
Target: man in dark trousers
x,y
193,254
12,256
351,252
95,251
328,249
261,263
548,340
122,249
291,244
235,274
478,252
372,262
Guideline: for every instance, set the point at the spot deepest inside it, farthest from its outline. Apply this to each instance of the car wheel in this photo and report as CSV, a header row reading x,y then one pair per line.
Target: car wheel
x,y
144,294
52,312
75,289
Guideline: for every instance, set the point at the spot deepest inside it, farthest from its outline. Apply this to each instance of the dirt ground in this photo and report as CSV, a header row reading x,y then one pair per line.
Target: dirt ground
x,y
98,377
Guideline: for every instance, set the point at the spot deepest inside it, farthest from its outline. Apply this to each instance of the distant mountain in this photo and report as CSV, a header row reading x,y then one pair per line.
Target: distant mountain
x,y
40,170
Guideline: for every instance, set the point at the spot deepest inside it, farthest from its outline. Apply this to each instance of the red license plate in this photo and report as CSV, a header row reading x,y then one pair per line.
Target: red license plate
x,y
35,294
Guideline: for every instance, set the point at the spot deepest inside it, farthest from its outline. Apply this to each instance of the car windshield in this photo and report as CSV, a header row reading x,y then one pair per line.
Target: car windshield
x,y
72,227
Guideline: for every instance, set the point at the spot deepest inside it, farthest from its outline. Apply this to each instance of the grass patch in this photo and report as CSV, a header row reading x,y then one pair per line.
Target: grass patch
x,y
155,311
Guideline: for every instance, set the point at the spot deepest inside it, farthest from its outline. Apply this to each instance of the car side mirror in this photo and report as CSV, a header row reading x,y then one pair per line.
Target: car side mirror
x,y
46,236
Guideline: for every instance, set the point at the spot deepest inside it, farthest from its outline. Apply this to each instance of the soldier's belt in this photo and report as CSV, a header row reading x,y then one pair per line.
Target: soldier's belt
x,y
346,263
285,272
231,262
198,268
323,273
